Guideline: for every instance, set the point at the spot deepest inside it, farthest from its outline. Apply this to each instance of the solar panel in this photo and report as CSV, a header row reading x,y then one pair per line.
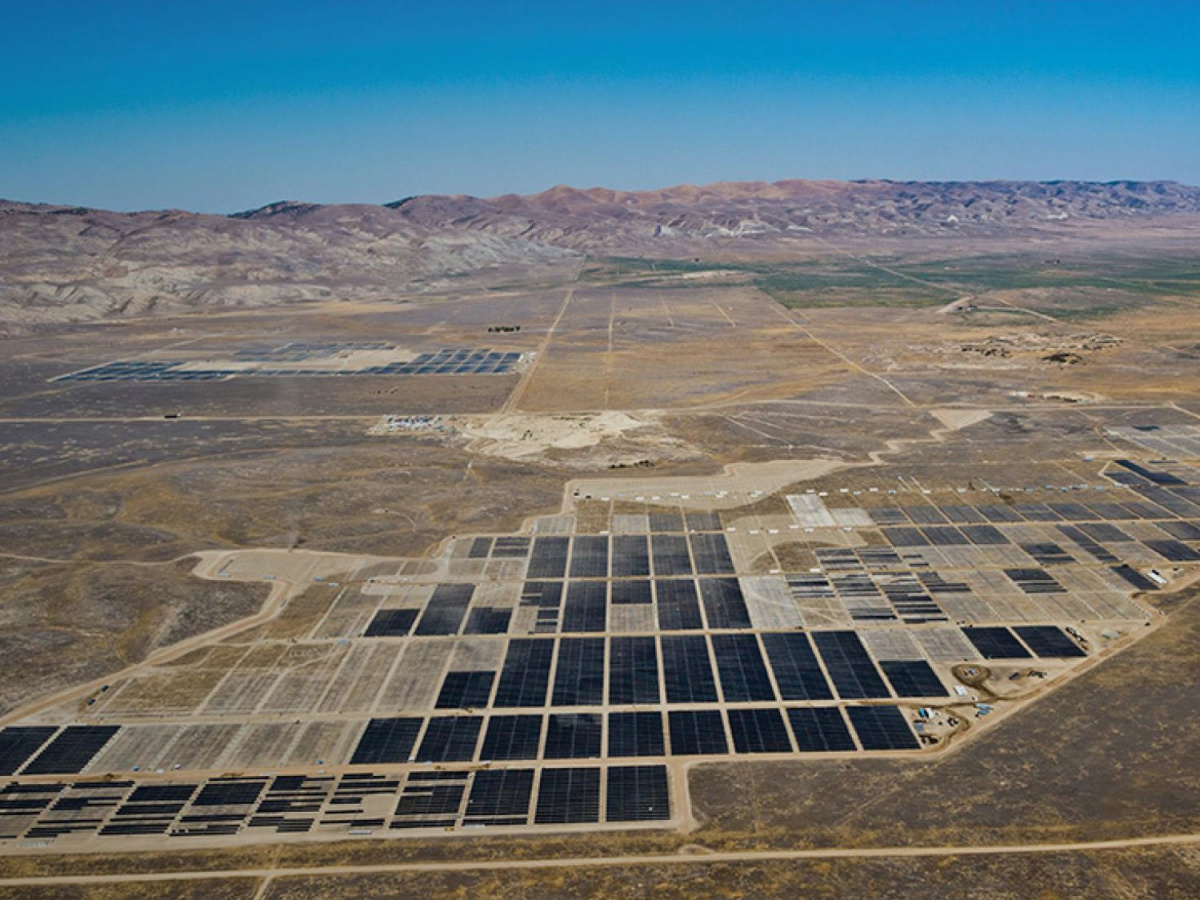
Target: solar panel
x,y
711,554
758,731
1134,578
525,674
1174,551
741,669
499,794
996,643
488,620
1049,641
687,672
913,678
548,559
724,605
391,623
71,750
820,729
579,676
1104,532
666,521
633,671
450,739
631,592
1183,531
677,605
481,547
19,742
635,734
445,610
962,514
945,536
925,515
697,732
430,799
905,537
465,690
387,741
637,794
882,728
703,520
585,609
512,737
573,736
568,795
589,556
630,556
849,666
670,553
797,672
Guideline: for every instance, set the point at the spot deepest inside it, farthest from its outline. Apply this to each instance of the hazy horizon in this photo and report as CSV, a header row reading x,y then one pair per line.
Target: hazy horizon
x,y
217,107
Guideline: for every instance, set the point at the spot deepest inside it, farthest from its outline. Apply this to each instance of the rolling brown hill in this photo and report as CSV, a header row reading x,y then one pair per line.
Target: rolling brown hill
x,y
66,264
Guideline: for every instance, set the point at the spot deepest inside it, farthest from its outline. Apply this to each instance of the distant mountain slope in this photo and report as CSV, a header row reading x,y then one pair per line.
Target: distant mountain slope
x,y
61,264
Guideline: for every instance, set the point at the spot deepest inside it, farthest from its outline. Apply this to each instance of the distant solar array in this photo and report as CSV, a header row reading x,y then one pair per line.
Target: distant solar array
x,y
270,364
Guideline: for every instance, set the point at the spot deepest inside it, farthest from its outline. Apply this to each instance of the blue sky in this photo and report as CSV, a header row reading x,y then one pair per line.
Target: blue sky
x,y
219,106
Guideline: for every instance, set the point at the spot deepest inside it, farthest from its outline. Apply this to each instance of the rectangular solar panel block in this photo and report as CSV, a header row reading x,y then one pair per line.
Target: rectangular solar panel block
x,y
670,553
630,556
635,734
758,731
387,741
465,690
445,610
741,669
548,558
573,736
846,660
820,729
677,605
697,732
19,742
579,676
797,671
586,608
913,678
724,605
711,554
512,737
589,556
638,794
525,675
996,643
71,750
633,671
500,794
687,671
568,795
631,592
882,728
391,623
450,739
488,620
1049,641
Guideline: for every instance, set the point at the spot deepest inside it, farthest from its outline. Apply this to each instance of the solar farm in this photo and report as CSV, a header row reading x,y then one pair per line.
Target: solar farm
x,y
565,676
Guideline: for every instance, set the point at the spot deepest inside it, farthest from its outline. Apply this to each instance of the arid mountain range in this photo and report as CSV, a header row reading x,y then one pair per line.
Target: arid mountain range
x,y
65,264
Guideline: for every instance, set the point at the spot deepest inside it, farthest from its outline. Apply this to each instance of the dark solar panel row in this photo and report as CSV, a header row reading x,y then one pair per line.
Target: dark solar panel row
x,y
758,731
573,736
724,605
446,609
631,592
510,547
913,678
741,669
630,556
635,734
1157,477
481,548
586,607
1048,554
488,620
568,795
797,672
512,737
1182,530
1034,581
905,537
465,690
1174,551
703,521
962,514
19,742
945,536
882,728
637,794
984,535
697,732
450,739
1134,578
525,675
687,672
677,605
579,676
996,643
589,556
711,554
849,666
633,671
548,558
670,554
500,797
666,521
820,729
1049,641
387,741
71,749
391,623
430,799
1087,544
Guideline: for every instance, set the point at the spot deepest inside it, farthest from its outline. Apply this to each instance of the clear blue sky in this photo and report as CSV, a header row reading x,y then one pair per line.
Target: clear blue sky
x,y
220,106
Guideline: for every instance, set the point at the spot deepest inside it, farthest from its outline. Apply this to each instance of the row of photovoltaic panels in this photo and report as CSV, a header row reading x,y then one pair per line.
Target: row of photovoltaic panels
x,y
628,556
1157,502
295,803
691,732
583,605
